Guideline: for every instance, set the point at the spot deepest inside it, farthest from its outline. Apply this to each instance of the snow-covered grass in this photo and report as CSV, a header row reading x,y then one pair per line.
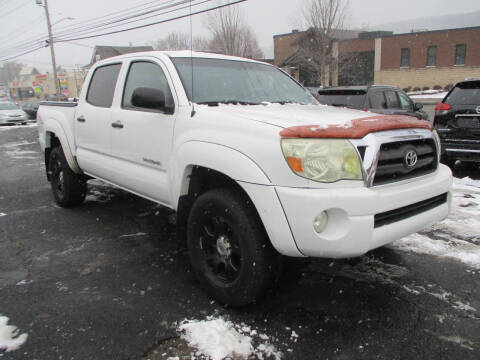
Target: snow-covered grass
x,y
458,236
10,339
427,94
218,339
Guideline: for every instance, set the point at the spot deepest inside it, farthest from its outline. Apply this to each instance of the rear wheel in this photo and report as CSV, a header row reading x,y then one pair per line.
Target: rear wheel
x,y
229,249
69,189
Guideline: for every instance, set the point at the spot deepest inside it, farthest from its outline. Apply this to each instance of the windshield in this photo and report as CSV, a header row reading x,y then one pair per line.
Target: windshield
x,y
217,80
347,98
8,106
467,93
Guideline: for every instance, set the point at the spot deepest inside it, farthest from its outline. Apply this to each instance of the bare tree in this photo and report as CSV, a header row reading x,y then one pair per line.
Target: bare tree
x,y
324,20
181,41
9,71
231,35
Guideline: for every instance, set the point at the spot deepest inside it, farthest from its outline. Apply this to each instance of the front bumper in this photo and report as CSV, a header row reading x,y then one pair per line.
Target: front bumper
x,y
351,211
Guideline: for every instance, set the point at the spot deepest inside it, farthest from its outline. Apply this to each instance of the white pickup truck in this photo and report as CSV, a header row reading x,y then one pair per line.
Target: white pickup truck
x,y
252,164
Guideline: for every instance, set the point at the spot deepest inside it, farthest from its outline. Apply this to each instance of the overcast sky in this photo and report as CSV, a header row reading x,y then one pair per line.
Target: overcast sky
x,y
22,20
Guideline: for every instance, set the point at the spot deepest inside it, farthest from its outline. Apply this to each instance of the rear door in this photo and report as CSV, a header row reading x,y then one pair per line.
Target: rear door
x,y
93,119
142,138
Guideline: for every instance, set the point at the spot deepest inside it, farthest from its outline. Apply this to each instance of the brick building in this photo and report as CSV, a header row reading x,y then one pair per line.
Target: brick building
x,y
416,59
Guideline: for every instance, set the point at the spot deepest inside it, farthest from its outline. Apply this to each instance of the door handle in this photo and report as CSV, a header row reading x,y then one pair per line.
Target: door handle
x,y
81,119
117,124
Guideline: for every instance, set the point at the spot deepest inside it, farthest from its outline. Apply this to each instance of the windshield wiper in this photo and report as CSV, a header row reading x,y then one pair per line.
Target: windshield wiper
x,y
231,102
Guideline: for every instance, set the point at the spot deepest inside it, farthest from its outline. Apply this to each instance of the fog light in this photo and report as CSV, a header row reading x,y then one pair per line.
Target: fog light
x,y
320,222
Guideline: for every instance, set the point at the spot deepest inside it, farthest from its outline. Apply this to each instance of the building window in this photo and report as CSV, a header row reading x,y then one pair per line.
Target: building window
x,y
405,58
432,56
460,54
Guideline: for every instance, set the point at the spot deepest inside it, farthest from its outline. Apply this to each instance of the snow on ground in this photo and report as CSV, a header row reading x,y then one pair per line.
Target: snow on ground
x,y
10,339
16,151
458,236
5,128
218,338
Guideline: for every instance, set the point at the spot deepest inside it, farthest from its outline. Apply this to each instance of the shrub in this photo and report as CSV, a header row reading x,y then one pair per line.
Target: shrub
x,y
425,88
416,88
437,87
448,87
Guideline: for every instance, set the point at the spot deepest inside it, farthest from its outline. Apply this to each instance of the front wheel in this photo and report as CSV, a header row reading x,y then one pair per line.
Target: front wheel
x,y
229,249
69,189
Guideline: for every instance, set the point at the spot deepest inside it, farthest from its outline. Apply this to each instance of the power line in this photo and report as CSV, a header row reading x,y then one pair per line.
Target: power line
x,y
15,9
85,32
114,21
7,58
34,41
153,23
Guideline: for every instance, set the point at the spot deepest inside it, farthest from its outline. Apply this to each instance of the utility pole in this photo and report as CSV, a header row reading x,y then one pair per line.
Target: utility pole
x,y
50,42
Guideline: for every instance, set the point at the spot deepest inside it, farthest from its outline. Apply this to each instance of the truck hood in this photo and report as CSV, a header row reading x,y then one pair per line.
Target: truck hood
x,y
287,115
322,121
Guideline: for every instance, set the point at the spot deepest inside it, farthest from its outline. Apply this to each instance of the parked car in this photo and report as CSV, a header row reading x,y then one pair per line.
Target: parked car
x,y
379,99
53,97
340,184
11,114
31,109
457,121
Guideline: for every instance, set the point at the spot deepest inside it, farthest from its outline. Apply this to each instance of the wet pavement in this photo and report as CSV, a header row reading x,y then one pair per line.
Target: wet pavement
x,y
110,280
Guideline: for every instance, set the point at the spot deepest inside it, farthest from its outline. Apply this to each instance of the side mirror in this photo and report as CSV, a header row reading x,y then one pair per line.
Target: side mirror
x,y
150,98
418,106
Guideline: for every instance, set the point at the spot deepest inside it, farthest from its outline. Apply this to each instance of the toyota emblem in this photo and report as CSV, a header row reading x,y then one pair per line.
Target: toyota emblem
x,y
411,158
478,109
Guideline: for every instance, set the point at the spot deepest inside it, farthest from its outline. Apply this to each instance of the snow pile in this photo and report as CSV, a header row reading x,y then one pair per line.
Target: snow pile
x,y
10,340
456,249
218,338
458,236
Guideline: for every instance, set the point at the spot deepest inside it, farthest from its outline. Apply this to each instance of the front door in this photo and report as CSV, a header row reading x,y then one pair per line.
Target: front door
x,y
142,138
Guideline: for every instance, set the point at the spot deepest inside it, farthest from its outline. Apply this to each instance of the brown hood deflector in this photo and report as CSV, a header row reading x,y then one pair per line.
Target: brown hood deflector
x,y
356,128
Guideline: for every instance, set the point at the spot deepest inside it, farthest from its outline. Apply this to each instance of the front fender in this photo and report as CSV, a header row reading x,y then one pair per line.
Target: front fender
x,y
221,158
53,128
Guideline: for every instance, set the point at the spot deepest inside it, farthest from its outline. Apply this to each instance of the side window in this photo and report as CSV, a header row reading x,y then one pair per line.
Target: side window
x,y
405,102
102,85
392,100
145,74
377,100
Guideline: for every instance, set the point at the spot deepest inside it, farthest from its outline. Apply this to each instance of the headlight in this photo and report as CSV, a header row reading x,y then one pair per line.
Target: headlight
x,y
323,160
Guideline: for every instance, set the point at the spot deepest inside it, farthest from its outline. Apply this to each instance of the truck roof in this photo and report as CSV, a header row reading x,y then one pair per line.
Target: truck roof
x,y
181,54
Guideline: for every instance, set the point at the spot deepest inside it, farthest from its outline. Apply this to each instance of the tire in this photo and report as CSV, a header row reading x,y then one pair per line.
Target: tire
x,y
69,189
229,249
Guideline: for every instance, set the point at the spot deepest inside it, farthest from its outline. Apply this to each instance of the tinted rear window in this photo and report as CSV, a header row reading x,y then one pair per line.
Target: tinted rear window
x,y
465,94
102,85
347,98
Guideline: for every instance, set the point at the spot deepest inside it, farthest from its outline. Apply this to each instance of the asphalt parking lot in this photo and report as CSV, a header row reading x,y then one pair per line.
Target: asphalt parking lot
x,y
110,280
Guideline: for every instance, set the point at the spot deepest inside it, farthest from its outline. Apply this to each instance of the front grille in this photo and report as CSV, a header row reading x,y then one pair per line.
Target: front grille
x,y
392,216
392,165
